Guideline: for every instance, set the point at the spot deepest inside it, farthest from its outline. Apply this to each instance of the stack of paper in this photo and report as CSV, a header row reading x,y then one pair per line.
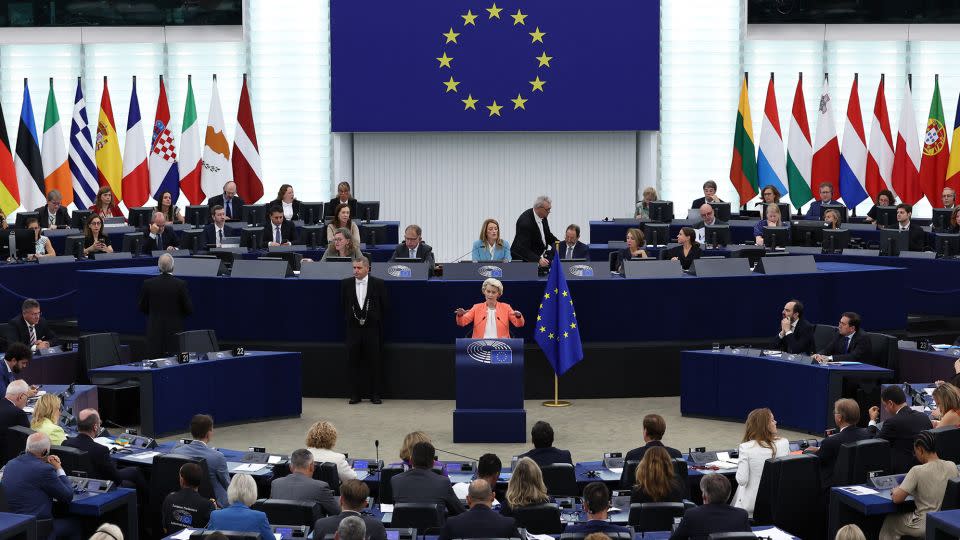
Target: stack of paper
x,y
249,467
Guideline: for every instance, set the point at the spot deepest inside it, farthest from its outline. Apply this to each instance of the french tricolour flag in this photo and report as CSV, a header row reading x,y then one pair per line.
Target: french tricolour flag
x,y
853,154
771,163
136,176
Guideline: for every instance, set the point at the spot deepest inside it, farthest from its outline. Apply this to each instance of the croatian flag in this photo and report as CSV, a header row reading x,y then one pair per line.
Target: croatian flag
x,y
164,172
853,155
771,164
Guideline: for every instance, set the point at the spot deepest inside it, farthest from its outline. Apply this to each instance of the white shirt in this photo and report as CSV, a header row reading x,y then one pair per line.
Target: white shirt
x,y
322,455
490,331
218,233
905,226
287,210
750,468
539,221
361,285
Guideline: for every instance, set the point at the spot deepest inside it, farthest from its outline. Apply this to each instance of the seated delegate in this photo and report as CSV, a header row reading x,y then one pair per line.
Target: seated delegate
x,y
94,239
491,246
292,208
773,219
796,334
46,418
342,246
42,246
634,249
168,209
342,219
104,206
655,479
279,232
688,250
643,205
238,516
491,319
413,247
709,195
884,198
901,427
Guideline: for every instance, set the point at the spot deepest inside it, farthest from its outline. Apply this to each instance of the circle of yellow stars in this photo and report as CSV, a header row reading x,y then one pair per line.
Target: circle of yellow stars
x,y
563,295
470,19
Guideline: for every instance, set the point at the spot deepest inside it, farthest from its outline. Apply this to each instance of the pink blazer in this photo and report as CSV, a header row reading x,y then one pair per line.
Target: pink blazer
x,y
478,316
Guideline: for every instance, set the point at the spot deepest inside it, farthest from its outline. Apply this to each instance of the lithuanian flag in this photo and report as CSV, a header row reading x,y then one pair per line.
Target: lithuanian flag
x,y
743,166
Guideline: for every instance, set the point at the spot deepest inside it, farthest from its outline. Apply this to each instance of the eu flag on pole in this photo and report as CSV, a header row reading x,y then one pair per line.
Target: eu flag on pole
x,y
558,332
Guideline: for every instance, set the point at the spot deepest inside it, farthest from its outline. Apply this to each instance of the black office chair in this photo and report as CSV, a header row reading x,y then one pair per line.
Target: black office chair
x,y
823,334
73,460
613,258
327,472
883,350
386,488
951,495
855,460
610,535
561,480
198,341
680,469
731,536
165,479
629,474
422,516
539,518
657,516
789,496
286,512
15,441
231,535
947,442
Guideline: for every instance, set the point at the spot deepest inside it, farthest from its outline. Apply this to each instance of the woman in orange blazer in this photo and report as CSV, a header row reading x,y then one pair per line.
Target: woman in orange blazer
x,y
479,314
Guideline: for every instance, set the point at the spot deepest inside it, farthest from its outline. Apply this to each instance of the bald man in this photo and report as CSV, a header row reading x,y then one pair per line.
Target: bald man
x,y
480,521
101,466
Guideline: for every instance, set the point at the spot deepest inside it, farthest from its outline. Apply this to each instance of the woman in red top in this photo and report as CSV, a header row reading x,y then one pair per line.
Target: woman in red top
x,y
104,205
491,319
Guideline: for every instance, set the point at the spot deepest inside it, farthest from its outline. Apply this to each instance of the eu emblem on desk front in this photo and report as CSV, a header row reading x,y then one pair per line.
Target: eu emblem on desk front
x,y
481,415
490,351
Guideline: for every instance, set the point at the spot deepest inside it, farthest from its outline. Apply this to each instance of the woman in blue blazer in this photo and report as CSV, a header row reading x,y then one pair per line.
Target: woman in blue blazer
x,y
241,494
490,247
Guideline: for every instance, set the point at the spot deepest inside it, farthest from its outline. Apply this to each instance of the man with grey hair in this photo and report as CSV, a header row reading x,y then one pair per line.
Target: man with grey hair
x,y
480,521
363,299
165,301
33,480
30,328
351,528
715,515
11,408
533,240
299,485
159,236
231,202
53,215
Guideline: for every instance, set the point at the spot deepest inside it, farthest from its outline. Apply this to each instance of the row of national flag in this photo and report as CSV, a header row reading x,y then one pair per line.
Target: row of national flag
x,y
858,170
91,158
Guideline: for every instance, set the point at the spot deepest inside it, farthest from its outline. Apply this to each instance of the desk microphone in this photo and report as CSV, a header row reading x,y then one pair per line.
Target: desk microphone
x,y
376,444
462,256
455,454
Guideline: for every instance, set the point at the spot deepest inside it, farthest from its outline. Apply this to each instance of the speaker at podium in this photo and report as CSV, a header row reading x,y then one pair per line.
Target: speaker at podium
x,y
481,415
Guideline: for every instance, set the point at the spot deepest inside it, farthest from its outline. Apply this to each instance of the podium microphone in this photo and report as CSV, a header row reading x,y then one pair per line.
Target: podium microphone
x,y
455,454
376,444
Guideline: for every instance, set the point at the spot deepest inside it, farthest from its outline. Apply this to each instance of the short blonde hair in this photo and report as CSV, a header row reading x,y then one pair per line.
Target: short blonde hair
x,y
410,440
850,532
322,434
107,531
650,190
492,282
47,408
242,489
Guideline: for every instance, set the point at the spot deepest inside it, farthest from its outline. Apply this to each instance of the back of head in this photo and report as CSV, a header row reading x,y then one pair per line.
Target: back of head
x,y
947,397
409,440
480,491
715,488
17,351
352,528
47,408
192,475
542,435
655,426
849,411
354,493
200,425
322,434
596,497
87,420
655,473
301,459
526,485
107,531
422,455
850,532
488,465
893,393
242,489
926,441
165,263
38,444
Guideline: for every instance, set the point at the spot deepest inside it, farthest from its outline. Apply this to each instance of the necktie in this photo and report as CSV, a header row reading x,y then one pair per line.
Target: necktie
x,y
160,239
846,345
276,235
229,209
569,251
413,254
220,238
33,334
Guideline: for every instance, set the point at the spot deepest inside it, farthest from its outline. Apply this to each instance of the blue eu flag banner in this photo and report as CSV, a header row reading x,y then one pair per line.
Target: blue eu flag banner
x,y
505,65
558,332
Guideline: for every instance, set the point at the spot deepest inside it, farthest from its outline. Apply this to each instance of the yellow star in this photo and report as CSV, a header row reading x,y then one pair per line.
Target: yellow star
x,y
541,306
451,36
445,60
546,296
494,11
544,59
543,328
451,85
539,317
573,325
469,103
469,18
565,293
519,18
538,84
518,103
566,334
537,35
550,336
494,109
555,290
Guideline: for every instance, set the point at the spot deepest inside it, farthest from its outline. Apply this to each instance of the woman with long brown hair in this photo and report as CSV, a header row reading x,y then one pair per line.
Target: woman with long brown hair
x,y
656,481
760,443
105,206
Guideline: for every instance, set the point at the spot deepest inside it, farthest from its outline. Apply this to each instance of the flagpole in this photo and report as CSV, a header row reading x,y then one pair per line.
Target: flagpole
x,y
557,402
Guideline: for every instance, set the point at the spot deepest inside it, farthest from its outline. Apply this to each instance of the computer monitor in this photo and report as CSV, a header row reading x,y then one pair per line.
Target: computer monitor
x,y
141,216
99,350
293,259
311,212
661,211
373,234
886,216
25,242
893,241
251,237
717,235
314,236
776,237
339,259
193,240
721,210
197,215
946,245
657,234
73,245
22,218
78,220
841,209
198,341
134,243
941,219
254,214
835,240
368,210
751,253
806,232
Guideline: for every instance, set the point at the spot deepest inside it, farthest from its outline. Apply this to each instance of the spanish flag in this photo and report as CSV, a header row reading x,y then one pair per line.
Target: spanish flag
x,y
743,166
109,164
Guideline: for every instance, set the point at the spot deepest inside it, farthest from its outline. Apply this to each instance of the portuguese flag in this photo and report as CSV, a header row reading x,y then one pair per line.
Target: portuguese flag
x,y
743,166
936,150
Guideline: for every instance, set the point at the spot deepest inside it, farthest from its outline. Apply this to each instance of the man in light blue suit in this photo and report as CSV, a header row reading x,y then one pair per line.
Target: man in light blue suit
x,y
201,429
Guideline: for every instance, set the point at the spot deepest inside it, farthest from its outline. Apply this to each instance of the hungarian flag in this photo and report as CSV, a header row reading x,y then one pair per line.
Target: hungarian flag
x,y
54,154
190,163
109,163
136,177
799,151
246,153
9,190
83,165
771,166
906,157
936,151
28,162
853,157
743,166
953,167
880,150
216,150
164,173
826,155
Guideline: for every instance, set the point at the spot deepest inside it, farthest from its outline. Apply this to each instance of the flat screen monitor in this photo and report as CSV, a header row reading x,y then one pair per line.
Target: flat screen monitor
x,y
293,258
251,237
657,234
661,211
946,245
141,216
25,242
339,259
197,215
198,341
311,212
22,218
373,233
73,245
99,350
806,232
78,220
314,236
193,240
835,240
717,235
886,216
134,243
721,210
368,210
941,219
893,241
751,253
254,214
776,237
841,209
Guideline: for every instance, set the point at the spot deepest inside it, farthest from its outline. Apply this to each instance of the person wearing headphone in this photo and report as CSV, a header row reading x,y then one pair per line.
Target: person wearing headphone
x,y
926,483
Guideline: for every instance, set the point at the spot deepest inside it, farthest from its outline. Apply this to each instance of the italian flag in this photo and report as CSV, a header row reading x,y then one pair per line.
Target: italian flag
x,y
190,150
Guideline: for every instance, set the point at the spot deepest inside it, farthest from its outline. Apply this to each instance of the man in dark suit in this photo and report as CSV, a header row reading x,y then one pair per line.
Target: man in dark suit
x,y
215,232
707,217
480,521
159,236
413,247
11,408
715,515
654,426
796,334
901,428
280,232
826,197
343,197
572,247
488,468
596,502
917,237
543,451
421,484
533,236
33,480
300,485
846,414
165,301
102,466
53,215
353,499
15,360
363,299
30,328
709,195
231,202
850,345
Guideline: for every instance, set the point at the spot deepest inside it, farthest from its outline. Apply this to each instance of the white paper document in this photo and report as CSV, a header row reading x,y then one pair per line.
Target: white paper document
x,y
144,456
616,470
273,460
184,534
249,467
773,534
386,508
859,490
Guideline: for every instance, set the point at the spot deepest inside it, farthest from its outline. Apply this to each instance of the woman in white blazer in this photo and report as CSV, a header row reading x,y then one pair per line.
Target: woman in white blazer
x,y
321,438
760,443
